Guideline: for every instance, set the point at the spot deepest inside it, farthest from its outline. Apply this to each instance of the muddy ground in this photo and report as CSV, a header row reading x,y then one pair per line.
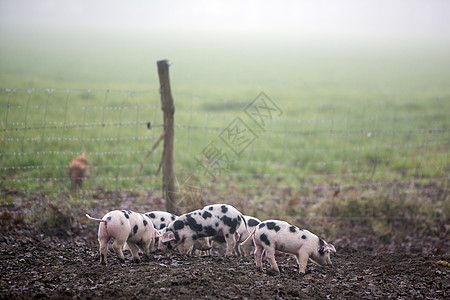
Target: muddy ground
x,y
57,265
64,264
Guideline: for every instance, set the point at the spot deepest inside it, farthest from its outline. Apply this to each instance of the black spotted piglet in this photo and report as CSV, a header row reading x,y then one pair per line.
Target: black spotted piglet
x,y
161,219
211,221
244,232
125,226
278,235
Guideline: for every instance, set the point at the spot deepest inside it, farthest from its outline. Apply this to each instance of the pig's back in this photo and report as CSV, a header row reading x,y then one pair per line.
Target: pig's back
x,y
117,224
280,235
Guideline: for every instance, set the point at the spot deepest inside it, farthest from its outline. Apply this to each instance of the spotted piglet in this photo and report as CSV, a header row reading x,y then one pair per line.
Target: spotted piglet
x,y
125,226
160,219
210,221
274,235
244,232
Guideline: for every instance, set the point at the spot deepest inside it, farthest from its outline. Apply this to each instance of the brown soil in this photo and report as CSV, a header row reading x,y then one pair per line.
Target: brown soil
x,y
64,264
54,264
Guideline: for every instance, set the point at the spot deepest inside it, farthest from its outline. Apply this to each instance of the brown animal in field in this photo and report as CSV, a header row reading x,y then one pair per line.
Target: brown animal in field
x,y
77,169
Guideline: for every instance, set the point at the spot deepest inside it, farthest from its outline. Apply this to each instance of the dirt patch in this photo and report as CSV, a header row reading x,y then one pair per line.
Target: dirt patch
x,y
60,266
63,263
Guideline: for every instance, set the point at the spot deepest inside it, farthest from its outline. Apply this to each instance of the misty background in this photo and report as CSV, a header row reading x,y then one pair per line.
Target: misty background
x,y
107,42
397,19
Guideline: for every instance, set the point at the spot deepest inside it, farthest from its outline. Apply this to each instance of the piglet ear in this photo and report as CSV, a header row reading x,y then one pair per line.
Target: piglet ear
x,y
157,234
329,247
168,236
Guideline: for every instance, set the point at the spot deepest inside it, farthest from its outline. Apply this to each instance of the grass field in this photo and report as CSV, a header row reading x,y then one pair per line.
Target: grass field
x,y
349,114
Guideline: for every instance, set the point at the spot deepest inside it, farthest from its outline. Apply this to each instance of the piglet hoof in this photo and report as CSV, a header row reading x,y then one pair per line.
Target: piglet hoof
x,y
136,260
301,275
122,261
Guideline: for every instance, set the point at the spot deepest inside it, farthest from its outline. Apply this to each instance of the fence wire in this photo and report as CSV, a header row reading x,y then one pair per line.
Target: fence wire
x,y
309,146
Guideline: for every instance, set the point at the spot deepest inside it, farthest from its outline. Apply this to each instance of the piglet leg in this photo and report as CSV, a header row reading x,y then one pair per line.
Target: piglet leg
x,y
146,247
134,251
270,253
258,256
302,259
103,251
231,241
117,246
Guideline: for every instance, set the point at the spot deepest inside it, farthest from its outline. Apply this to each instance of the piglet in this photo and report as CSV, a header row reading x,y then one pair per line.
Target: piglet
x,y
210,221
160,219
77,169
278,235
244,232
125,226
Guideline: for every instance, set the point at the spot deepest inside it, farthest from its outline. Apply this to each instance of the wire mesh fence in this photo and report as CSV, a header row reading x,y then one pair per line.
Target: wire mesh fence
x,y
43,130
302,147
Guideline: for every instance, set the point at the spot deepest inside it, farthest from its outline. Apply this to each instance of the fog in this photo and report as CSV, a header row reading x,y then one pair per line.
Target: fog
x,y
417,20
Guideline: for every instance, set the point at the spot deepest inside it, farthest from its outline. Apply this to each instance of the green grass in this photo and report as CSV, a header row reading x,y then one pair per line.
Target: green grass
x,y
350,114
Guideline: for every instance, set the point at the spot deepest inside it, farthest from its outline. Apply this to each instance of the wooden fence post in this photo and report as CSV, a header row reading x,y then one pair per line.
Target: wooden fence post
x,y
168,182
